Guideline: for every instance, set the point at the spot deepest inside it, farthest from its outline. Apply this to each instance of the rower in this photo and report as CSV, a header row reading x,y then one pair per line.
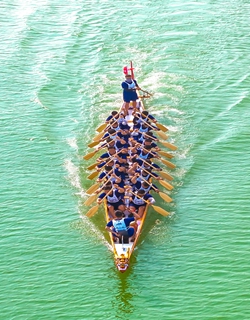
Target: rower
x,y
114,199
120,227
111,152
139,201
144,185
114,115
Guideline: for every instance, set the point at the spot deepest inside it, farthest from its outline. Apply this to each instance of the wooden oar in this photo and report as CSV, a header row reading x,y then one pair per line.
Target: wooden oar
x,y
95,186
161,173
150,94
94,209
156,208
162,135
93,144
93,175
90,200
163,183
101,127
98,137
91,154
169,145
165,154
161,127
166,162
148,124
164,196
92,166
165,175
166,144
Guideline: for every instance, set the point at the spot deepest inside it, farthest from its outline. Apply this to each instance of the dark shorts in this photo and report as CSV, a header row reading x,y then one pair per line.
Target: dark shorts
x,y
136,206
116,204
129,233
130,96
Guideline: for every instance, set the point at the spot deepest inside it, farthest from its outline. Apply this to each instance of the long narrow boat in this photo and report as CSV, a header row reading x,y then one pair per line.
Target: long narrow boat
x,y
124,248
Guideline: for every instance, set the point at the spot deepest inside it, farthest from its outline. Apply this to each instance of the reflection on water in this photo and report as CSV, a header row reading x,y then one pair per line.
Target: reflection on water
x,y
123,300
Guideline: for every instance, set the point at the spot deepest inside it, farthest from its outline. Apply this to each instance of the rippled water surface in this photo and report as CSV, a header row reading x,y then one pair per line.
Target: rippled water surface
x,y
61,69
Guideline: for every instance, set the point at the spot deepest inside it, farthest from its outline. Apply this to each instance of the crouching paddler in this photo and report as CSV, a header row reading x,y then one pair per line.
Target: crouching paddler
x,y
120,227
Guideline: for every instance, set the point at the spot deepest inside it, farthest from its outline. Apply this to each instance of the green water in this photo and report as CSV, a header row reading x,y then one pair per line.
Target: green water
x,y
61,69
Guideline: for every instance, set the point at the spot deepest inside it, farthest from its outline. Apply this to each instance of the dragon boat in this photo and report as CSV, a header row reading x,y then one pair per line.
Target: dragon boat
x,y
123,248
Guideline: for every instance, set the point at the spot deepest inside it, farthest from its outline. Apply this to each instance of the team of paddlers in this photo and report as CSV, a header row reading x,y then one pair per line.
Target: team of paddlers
x,y
127,169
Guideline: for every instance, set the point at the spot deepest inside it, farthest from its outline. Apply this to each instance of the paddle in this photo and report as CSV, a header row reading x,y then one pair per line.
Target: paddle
x,y
95,186
98,137
148,93
94,209
161,127
153,128
163,183
92,166
164,196
156,208
166,144
90,200
93,144
162,135
166,162
101,127
93,175
161,173
169,145
165,154
91,154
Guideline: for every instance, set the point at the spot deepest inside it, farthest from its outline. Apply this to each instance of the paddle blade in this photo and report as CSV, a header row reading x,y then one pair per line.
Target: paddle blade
x,y
90,200
93,188
162,135
169,145
161,127
165,175
93,175
161,211
92,211
165,154
89,155
168,163
93,144
98,137
92,166
101,127
165,197
166,184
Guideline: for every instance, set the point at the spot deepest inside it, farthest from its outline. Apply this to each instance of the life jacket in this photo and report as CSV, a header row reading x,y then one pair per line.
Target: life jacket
x,y
131,85
119,225
140,178
146,189
143,130
143,156
138,201
112,198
